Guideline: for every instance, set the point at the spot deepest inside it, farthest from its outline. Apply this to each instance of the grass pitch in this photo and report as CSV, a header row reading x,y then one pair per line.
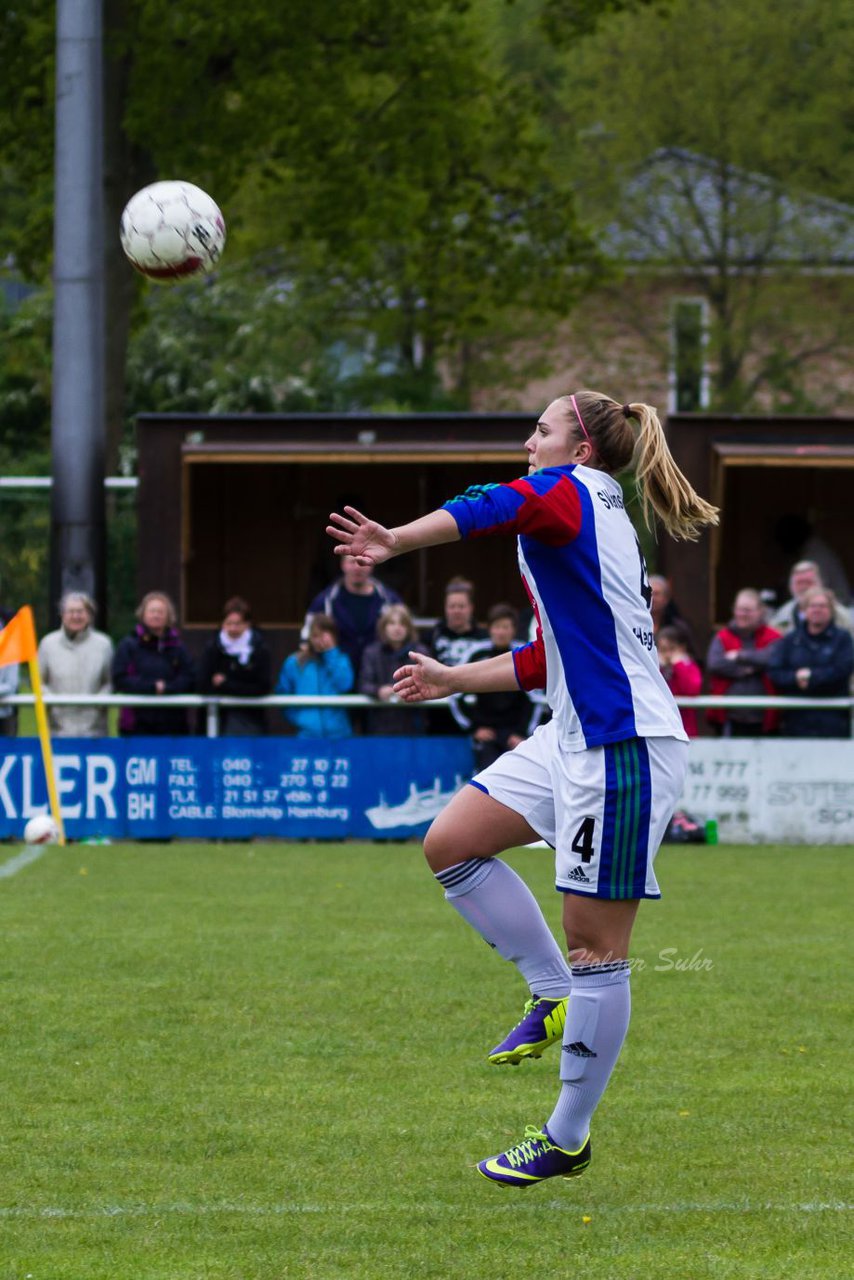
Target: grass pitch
x,y
253,1061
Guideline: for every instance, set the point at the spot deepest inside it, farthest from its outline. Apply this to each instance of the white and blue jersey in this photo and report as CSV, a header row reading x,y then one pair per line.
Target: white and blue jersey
x,y
584,572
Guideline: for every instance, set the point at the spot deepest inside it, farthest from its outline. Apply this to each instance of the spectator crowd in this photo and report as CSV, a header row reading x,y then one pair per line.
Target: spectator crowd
x,y
803,650
357,632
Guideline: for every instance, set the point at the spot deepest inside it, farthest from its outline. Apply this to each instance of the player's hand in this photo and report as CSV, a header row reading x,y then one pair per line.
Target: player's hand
x,y
422,679
368,542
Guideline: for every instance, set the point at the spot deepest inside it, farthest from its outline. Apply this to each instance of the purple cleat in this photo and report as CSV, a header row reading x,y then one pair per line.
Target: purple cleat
x,y
534,1160
542,1024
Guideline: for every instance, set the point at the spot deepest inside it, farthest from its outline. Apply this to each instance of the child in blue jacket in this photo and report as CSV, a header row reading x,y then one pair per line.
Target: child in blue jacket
x,y
320,667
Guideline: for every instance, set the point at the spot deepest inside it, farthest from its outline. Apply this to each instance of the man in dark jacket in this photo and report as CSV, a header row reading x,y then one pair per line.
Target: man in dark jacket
x,y
355,601
815,661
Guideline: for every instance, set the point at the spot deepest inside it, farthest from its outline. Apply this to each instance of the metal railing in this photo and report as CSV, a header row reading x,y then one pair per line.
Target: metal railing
x,y
46,482
212,705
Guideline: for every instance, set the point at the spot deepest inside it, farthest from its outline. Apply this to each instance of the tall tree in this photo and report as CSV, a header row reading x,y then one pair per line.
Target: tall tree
x,y
749,103
372,147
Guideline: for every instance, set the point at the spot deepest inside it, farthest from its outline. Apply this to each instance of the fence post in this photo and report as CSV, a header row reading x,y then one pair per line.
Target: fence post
x,y
212,719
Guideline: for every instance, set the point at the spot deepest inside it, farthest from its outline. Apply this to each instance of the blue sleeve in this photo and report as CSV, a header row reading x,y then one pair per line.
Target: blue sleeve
x,y
780,670
339,669
836,671
285,683
485,508
125,677
545,506
183,678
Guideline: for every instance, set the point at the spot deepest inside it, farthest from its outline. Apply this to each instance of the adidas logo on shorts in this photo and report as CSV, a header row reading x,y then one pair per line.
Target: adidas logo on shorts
x,y
578,876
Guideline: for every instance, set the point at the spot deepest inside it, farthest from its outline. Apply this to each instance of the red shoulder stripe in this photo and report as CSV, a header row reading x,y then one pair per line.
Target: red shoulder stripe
x,y
530,664
553,517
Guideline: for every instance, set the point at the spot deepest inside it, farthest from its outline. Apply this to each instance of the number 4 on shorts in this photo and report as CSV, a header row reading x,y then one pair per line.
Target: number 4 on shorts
x,y
582,841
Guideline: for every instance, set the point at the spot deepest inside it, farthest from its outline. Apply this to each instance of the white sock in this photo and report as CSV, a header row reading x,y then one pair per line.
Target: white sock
x,y
500,906
597,1020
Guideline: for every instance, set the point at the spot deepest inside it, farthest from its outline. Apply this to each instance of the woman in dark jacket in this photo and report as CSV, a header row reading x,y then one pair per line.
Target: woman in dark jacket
x,y
153,660
815,661
236,664
397,638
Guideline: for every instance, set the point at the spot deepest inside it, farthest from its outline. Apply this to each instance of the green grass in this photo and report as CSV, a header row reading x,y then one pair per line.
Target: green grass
x,y
253,1061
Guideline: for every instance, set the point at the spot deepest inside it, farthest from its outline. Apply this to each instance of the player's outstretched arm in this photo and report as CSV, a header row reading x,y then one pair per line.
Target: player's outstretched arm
x,y
424,678
372,543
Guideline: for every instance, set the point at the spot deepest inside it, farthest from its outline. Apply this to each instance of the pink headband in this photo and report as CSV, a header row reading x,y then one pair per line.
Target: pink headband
x,y
581,423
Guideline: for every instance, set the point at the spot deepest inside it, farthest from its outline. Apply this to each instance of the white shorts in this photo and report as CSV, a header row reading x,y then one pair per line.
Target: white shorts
x,y
604,810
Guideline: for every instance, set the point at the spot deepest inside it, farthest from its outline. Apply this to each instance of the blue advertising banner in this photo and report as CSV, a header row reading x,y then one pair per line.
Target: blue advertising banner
x,y
221,788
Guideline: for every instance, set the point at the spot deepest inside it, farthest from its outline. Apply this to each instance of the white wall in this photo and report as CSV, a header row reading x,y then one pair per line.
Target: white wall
x,y
794,791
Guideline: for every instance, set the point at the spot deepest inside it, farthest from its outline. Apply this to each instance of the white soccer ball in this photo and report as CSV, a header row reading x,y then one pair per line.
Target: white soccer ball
x,y
172,230
41,830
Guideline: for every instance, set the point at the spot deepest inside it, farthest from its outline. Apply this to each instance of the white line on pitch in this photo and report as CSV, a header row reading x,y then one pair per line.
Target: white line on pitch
x,y
21,860
280,1210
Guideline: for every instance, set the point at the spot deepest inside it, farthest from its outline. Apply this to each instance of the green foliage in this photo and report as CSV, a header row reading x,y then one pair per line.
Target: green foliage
x,y
427,202
25,450
758,86
750,89
246,343
26,133
375,148
24,543
401,181
267,1060
25,370
565,21
24,556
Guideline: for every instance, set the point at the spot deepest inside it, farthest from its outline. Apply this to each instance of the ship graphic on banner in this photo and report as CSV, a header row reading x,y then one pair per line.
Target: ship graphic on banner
x,y
419,806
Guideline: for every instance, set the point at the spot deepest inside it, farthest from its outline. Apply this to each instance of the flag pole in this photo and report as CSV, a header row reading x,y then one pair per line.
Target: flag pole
x,y
18,644
47,753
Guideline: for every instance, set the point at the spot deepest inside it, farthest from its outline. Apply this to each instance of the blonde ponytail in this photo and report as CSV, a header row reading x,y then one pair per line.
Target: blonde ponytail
x,y
663,488
608,427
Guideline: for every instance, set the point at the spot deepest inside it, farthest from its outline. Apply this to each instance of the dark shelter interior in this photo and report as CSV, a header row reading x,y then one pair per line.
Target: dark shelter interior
x,y
238,505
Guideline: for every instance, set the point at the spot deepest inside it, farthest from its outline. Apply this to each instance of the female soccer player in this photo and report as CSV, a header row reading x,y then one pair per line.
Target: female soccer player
x,y
600,781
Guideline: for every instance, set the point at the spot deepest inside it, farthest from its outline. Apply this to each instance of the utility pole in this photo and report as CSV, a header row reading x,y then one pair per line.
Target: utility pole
x,y
78,523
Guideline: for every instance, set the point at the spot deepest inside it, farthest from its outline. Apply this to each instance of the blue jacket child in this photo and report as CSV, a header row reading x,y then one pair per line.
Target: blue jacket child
x,y
318,667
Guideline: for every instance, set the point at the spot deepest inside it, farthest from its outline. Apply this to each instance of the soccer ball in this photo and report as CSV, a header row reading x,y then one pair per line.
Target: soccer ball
x,y
41,830
172,230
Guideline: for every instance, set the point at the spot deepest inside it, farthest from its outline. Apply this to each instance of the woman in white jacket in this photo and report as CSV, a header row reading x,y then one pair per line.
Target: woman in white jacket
x,y
76,659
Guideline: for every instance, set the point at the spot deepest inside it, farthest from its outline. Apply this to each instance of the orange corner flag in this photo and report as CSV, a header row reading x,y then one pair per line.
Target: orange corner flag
x,y
18,644
18,638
